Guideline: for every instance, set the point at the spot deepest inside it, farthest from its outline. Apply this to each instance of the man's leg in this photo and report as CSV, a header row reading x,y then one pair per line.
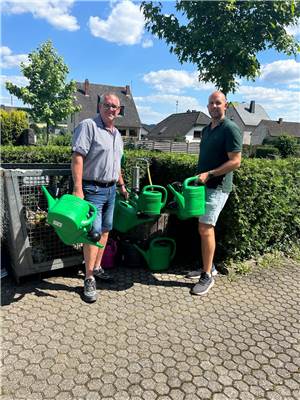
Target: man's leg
x,y
215,201
90,255
208,245
107,224
102,241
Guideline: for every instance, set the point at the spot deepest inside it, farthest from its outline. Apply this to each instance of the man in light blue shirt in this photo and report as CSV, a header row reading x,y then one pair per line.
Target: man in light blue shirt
x,y
96,169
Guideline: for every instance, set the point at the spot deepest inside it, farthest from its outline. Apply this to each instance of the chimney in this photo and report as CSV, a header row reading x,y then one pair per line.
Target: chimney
x,y
127,90
280,120
86,87
252,107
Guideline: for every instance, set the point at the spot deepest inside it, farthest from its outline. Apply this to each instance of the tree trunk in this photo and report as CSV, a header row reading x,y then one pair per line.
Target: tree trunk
x,y
48,134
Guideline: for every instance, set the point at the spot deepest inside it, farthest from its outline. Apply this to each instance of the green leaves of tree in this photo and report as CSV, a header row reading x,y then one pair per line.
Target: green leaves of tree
x,y
223,37
50,97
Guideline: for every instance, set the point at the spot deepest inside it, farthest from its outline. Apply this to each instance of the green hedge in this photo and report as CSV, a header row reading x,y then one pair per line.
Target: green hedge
x,y
36,154
262,213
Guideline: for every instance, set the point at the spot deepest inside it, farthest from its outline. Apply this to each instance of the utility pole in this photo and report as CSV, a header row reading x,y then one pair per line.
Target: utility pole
x,y
176,106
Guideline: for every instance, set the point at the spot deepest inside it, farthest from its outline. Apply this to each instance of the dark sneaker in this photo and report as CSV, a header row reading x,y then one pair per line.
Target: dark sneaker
x,y
89,291
101,274
197,273
204,284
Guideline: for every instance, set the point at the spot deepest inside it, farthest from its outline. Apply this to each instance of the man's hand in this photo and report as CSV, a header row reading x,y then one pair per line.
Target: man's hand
x,y
78,192
124,192
203,177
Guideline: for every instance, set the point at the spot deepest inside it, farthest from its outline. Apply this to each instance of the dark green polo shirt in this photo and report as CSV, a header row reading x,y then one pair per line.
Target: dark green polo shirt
x,y
215,144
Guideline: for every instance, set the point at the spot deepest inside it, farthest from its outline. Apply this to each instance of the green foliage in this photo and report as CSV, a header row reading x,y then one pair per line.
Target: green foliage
x,y
50,97
262,212
267,151
32,154
287,146
223,37
13,123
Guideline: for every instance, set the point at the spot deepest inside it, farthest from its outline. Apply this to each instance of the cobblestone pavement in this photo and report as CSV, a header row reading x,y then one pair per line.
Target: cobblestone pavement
x,y
147,338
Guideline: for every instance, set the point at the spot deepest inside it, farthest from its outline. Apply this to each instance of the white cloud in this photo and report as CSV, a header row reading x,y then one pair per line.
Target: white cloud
x,y
56,12
15,79
124,26
174,81
147,43
148,115
277,102
9,60
282,71
172,102
294,29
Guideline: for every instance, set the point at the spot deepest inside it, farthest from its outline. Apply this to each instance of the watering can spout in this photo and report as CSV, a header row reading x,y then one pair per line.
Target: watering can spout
x,y
143,253
178,196
51,201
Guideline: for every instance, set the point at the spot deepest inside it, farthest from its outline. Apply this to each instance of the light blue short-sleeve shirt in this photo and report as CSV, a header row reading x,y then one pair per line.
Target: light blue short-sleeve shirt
x,y
102,150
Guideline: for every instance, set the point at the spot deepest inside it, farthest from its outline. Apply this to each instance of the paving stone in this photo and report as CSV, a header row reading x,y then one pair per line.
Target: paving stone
x,y
239,342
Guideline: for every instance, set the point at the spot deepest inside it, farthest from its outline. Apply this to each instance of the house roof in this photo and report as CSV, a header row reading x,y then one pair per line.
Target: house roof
x,y
178,125
250,118
280,127
88,94
148,127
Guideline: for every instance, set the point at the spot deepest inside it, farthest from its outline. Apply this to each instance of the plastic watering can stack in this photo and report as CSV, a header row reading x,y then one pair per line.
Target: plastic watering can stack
x,y
160,253
125,215
72,218
139,209
191,200
152,199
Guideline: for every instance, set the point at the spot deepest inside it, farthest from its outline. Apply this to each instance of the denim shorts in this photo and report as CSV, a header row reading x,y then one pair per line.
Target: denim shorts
x,y
215,202
104,200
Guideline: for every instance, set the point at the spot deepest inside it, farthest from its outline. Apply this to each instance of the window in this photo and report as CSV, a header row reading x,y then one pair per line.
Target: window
x,y
197,134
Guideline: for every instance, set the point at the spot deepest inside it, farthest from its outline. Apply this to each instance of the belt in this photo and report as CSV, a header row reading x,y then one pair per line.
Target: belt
x,y
101,184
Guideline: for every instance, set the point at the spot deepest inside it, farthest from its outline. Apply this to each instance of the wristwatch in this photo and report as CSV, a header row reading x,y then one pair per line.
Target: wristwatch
x,y
210,175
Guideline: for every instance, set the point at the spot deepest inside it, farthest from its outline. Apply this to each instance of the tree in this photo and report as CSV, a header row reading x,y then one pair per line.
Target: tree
x,y
223,37
50,97
287,145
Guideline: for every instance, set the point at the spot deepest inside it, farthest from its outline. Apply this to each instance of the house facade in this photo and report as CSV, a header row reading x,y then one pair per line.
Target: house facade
x,y
247,117
88,97
268,130
181,127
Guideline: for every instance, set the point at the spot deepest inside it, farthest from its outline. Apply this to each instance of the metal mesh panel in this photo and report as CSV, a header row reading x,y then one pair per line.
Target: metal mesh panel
x,y
44,242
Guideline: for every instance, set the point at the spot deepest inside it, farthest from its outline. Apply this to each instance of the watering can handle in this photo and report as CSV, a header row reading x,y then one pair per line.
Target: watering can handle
x,y
162,189
192,179
166,239
91,219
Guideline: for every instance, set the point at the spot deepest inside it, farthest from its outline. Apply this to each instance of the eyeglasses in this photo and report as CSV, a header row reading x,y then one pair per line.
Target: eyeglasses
x,y
107,106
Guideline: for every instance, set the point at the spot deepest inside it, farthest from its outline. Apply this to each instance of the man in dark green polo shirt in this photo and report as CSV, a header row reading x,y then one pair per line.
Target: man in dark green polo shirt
x,y
220,154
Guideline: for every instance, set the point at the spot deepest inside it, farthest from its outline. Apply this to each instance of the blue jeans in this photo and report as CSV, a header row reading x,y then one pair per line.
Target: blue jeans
x,y
104,200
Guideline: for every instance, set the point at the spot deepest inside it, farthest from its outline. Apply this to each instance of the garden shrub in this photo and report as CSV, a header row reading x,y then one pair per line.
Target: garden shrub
x,y
287,146
13,123
267,151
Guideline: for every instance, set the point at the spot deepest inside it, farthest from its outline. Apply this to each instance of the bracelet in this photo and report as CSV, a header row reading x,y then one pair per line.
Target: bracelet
x,y
120,185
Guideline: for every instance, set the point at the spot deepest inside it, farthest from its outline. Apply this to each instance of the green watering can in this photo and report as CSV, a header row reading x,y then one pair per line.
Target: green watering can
x,y
160,253
72,218
191,201
152,199
125,215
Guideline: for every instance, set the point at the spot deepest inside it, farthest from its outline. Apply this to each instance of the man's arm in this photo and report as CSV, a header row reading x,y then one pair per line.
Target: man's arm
x,y
233,163
77,171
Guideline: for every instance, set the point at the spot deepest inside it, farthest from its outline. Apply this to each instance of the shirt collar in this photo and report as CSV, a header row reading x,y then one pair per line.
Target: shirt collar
x,y
101,125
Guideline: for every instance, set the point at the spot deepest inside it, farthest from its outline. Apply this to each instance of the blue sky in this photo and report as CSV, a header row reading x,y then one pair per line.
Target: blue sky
x,y
106,42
